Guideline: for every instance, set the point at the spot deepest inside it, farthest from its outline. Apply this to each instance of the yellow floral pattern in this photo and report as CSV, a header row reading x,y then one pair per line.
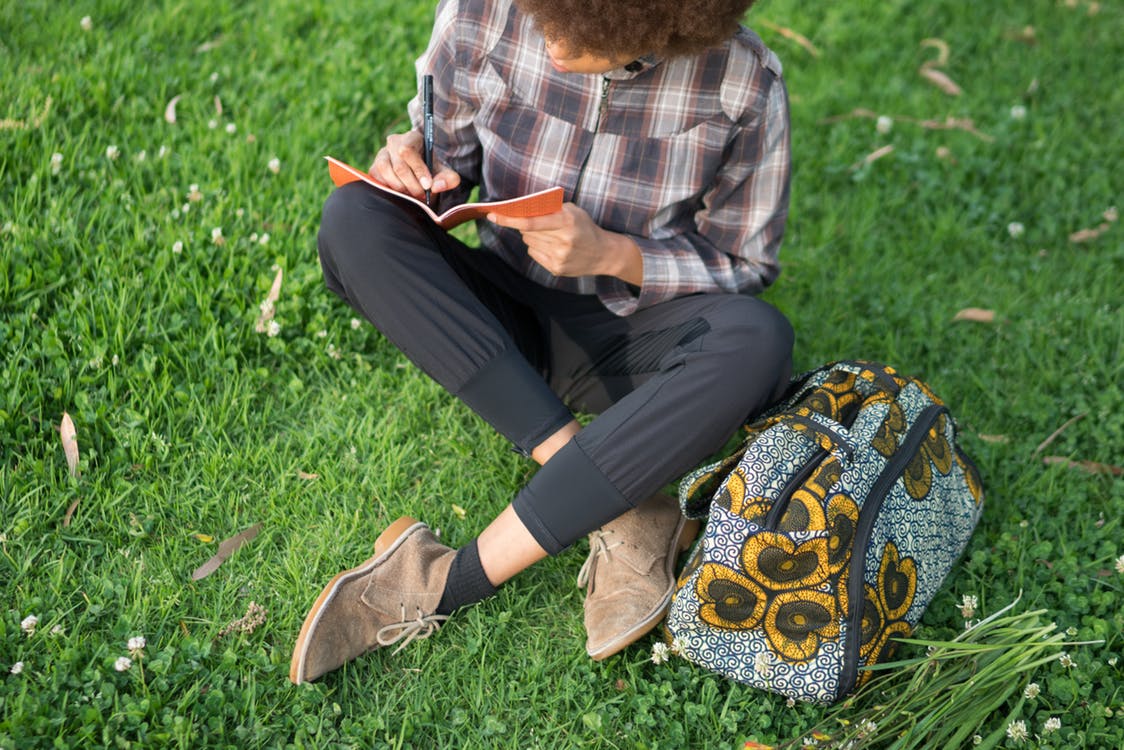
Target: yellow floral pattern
x,y
729,599
783,565
797,622
935,452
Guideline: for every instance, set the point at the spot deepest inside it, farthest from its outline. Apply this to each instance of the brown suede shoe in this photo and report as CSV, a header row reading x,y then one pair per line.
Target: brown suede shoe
x,y
388,599
630,573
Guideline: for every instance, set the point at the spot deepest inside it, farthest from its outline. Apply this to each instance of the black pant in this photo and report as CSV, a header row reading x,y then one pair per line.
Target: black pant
x,y
669,383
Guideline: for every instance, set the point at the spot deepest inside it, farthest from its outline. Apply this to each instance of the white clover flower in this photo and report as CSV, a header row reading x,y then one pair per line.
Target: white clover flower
x,y
968,604
123,663
1111,214
791,702
1015,229
274,165
193,193
214,77
1016,730
355,323
867,728
1112,661
137,643
976,739
321,334
177,247
16,668
1065,659
86,23
264,239
56,163
763,664
28,624
1032,690
112,152
231,128
678,646
58,630
216,236
212,124
274,328
884,124
1018,112
141,155
253,237
1120,564
659,652
334,353
114,361
1052,724
162,152
186,207
1071,631
266,307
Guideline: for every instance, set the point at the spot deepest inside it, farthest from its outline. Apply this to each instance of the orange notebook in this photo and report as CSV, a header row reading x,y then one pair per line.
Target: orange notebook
x,y
544,202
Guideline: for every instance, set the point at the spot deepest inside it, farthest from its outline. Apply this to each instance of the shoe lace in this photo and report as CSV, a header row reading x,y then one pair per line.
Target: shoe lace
x,y
598,547
407,631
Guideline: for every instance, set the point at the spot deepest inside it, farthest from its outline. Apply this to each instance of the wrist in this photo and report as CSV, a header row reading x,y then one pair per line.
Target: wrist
x,y
626,260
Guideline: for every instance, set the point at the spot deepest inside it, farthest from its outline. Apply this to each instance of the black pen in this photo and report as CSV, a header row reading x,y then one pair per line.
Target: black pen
x,y
427,126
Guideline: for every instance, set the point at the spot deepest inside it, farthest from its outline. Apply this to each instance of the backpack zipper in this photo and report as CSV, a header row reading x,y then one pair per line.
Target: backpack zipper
x,y
869,514
602,105
773,518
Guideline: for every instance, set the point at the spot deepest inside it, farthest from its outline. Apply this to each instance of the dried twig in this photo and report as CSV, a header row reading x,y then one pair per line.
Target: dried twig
x,y
1093,467
1055,433
226,548
792,35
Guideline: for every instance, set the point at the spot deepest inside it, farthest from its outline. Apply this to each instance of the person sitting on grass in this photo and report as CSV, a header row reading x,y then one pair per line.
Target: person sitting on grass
x,y
666,123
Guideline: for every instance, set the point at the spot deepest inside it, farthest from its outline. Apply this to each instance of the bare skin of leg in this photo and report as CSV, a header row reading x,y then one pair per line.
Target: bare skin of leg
x,y
506,547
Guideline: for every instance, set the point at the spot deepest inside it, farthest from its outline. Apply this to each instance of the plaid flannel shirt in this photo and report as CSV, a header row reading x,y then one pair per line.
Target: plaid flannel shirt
x,y
689,156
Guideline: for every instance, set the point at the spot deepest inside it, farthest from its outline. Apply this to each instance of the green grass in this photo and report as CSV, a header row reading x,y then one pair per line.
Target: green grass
x,y
191,423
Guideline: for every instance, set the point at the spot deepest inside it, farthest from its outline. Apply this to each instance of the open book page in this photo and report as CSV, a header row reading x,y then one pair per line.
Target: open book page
x,y
536,204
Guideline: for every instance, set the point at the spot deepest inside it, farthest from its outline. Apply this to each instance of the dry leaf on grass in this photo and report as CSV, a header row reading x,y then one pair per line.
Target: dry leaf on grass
x,y
226,548
993,438
33,124
267,307
929,70
941,80
218,106
248,623
307,476
70,512
792,35
976,315
69,443
872,157
170,110
208,46
1054,435
1093,467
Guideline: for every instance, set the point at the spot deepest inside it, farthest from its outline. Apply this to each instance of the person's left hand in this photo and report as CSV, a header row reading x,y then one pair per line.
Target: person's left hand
x,y
566,243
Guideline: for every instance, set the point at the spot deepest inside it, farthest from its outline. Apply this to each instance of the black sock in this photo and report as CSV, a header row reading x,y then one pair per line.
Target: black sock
x,y
467,583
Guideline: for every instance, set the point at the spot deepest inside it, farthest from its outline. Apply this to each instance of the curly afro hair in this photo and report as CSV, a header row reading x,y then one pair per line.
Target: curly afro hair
x,y
611,28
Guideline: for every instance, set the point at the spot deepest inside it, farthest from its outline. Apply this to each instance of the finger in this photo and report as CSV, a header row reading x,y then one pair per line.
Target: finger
x,y
445,179
546,223
409,167
382,171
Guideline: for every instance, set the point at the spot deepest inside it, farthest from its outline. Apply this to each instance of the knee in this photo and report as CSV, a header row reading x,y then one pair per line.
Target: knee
x,y
754,343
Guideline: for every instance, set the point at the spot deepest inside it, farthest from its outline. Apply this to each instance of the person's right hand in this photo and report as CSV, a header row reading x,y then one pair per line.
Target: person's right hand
x,y
400,166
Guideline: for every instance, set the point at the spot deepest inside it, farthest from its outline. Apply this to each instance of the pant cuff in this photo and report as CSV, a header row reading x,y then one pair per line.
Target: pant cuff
x,y
568,498
515,399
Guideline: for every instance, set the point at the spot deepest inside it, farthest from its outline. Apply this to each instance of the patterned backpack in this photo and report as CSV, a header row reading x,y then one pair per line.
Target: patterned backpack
x,y
828,532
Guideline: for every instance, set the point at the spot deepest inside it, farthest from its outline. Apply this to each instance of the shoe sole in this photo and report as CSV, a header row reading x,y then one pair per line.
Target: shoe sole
x,y
386,543
686,532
